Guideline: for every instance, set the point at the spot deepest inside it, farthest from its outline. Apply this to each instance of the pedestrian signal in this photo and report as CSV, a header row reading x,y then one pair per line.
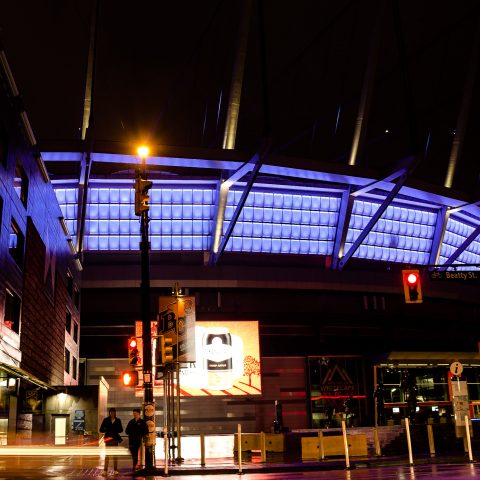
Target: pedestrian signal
x,y
130,378
412,287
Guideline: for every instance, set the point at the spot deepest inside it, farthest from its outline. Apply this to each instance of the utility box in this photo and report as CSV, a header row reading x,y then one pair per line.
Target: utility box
x,y
333,446
274,442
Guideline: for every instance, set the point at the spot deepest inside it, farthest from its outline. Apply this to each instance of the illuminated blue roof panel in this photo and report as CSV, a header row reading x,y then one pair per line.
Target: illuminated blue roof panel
x,y
289,222
456,232
276,218
401,235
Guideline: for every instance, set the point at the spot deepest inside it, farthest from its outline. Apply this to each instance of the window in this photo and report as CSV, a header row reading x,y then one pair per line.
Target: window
x,y
75,332
67,360
3,147
12,311
16,244
74,368
76,298
20,183
70,284
68,322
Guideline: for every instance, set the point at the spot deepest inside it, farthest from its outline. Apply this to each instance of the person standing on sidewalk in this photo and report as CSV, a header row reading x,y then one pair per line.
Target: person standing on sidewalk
x,y
111,427
136,429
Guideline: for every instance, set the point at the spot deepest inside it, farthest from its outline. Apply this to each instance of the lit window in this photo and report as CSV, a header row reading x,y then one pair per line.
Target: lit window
x,y
20,182
16,244
12,311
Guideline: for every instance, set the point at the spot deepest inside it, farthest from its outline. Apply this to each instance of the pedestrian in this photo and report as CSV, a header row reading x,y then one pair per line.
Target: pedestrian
x,y
111,427
136,429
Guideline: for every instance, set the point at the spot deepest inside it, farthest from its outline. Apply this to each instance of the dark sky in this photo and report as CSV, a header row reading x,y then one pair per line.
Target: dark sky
x,y
162,67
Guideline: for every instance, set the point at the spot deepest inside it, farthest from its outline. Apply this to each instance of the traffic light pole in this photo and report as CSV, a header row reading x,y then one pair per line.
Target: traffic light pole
x,y
149,406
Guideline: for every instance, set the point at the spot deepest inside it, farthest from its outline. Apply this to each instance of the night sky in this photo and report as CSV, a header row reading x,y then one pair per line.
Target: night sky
x,y
163,71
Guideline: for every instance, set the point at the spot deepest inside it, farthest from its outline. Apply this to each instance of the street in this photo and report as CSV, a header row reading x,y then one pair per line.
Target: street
x,y
90,466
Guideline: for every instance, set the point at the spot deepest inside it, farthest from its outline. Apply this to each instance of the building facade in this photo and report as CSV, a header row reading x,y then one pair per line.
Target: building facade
x,y
39,279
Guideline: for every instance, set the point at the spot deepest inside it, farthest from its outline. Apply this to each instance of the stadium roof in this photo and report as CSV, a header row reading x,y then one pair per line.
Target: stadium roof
x,y
405,72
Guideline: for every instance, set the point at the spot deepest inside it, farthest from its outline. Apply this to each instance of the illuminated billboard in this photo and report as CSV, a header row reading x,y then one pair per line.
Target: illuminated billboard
x,y
227,361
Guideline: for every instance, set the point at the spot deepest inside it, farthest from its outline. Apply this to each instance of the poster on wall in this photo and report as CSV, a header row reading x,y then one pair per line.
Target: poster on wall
x,y
227,361
79,421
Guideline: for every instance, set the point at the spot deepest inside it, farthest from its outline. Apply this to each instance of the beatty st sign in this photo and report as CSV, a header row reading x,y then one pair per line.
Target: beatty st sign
x,y
469,276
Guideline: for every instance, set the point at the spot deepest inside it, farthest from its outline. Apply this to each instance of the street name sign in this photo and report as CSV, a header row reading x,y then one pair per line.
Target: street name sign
x,y
468,276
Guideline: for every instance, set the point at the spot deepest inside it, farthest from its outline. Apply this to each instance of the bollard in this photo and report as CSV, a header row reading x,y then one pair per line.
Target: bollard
x,y
202,449
409,441
345,444
239,445
165,446
263,446
431,441
376,440
469,441
320,441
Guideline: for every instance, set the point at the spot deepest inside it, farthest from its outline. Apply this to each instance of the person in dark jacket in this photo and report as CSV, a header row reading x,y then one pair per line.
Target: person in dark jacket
x,y
136,429
111,427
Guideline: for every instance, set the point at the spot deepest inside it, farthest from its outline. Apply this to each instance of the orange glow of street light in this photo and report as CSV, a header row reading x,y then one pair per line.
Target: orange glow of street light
x,y
143,151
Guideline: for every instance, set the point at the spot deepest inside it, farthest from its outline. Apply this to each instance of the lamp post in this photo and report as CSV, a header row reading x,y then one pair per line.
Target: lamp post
x,y
141,209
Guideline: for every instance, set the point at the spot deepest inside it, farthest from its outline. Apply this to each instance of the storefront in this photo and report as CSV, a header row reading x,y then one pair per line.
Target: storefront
x,y
22,399
338,389
420,385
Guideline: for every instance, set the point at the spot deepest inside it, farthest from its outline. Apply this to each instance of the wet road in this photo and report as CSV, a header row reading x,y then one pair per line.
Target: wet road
x,y
87,467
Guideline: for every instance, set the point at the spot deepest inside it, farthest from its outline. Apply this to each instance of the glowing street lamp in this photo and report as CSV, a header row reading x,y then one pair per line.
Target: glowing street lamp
x,y
143,151
142,185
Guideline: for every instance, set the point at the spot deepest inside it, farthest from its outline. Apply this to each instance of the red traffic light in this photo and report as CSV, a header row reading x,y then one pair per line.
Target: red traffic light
x,y
412,286
130,378
412,278
133,352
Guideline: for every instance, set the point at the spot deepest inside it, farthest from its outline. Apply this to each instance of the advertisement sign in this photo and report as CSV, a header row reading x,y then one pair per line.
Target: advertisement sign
x,y
227,361
177,321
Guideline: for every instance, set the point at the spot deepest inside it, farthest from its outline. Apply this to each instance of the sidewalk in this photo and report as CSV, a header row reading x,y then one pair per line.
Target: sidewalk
x,y
87,462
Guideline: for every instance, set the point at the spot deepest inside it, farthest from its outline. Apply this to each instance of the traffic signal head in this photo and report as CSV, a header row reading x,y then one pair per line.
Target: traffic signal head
x,y
133,353
141,196
412,287
166,349
130,378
